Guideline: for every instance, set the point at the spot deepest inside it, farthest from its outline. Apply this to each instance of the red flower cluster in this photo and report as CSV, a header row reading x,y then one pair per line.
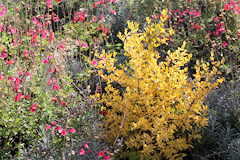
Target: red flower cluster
x,y
59,129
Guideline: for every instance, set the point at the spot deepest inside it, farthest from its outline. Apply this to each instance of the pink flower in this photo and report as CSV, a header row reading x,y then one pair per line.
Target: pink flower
x,y
53,123
49,82
64,132
18,97
102,58
45,61
50,56
20,72
27,97
107,157
72,130
34,20
180,20
105,150
62,46
59,129
4,55
86,145
34,108
95,19
47,126
198,14
216,18
62,103
56,87
51,70
79,41
54,99
28,74
113,12
222,29
101,17
82,152
11,61
94,62
224,44
84,45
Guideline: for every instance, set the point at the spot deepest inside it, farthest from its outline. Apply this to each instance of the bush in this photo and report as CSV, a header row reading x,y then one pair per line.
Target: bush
x,y
221,136
160,110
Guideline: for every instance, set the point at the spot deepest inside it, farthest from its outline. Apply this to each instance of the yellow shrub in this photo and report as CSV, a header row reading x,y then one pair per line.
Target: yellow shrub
x,y
161,110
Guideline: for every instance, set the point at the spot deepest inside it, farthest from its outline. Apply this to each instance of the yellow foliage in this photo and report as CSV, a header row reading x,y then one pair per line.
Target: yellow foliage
x,y
161,110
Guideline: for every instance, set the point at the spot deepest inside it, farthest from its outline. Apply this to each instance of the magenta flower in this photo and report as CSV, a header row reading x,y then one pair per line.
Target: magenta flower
x,y
82,152
86,145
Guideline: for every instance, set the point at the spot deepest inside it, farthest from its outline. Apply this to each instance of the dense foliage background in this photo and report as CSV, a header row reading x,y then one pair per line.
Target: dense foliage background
x,y
80,80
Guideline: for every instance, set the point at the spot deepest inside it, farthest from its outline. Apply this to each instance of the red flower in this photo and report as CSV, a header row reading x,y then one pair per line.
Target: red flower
x,y
101,17
53,123
56,87
100,28
59,128
82,152
105,113
106,30
18,97
62,103
11,61
226,7
54,99
100,112
224,44
64,132
102,2
34,108
107,157
72,130
27,97
101,154
58,0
